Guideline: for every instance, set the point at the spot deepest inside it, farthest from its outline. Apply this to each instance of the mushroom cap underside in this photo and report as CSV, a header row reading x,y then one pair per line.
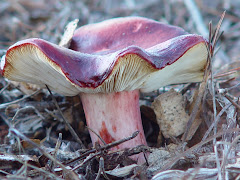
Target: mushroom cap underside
x,y
178,60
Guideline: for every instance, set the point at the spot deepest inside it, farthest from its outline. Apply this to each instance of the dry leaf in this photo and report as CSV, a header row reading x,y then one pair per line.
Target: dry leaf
x,y
26,88
157,159
171,115
8,161
122,171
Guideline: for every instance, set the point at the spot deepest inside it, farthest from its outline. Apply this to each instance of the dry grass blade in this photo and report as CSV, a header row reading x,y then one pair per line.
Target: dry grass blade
x,y
107,146
101,170
196,147
216,121
225,90
14,122
233,103
58,144
116,143
20,135
101,139
214,39
208,70
196,16
5,87
216,35
90,157
2,106
234,143
74,134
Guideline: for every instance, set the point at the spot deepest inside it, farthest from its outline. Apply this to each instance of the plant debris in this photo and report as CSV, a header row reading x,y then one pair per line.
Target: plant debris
x,y
172,118
43,135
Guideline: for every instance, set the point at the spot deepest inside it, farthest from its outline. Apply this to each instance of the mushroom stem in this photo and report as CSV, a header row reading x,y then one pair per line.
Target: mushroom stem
x,y
114,116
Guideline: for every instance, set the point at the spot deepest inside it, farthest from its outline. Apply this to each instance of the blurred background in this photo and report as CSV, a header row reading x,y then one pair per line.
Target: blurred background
x,y
21,19
47,19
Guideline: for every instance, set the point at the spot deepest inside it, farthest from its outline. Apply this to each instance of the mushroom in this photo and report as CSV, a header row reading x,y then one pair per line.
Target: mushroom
x,y
108,64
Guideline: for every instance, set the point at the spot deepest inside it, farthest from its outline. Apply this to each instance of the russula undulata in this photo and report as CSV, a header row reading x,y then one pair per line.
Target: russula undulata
x,y
110,62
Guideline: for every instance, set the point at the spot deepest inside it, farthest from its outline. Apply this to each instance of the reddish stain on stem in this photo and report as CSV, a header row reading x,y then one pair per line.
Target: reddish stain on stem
x,y
105,135
114,128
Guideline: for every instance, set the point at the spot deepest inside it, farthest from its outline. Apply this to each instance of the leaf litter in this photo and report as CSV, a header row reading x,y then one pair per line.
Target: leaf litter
x,y
37,142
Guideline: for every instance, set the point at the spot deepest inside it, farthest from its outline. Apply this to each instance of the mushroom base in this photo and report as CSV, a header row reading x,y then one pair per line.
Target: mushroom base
x,y
114,116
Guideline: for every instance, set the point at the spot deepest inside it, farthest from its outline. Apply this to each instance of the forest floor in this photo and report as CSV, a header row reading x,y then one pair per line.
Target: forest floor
x,y
35,142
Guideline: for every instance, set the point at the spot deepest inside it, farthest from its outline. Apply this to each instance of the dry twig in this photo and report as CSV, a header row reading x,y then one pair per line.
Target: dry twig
x,y
74,134
105,147
2,106
210,46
